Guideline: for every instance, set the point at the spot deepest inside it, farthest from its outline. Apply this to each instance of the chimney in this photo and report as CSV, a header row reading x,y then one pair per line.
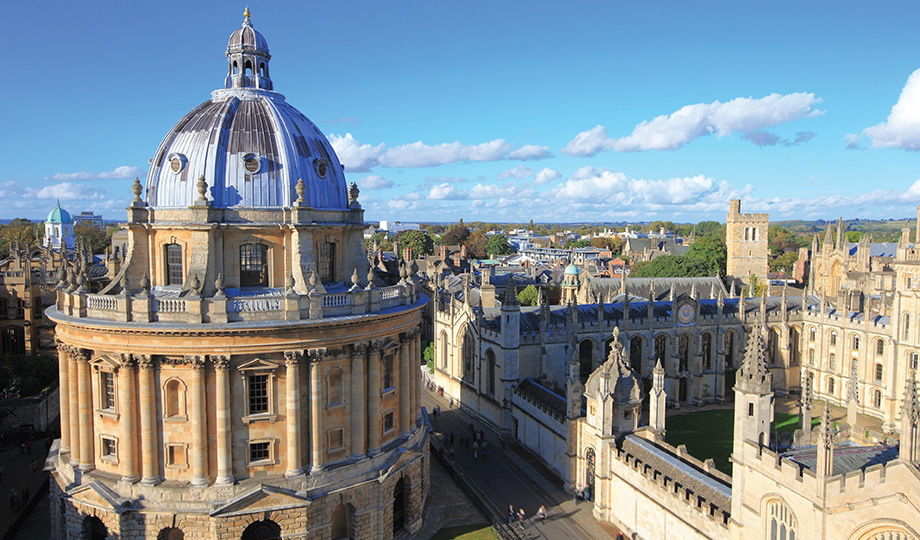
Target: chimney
x,y
463,251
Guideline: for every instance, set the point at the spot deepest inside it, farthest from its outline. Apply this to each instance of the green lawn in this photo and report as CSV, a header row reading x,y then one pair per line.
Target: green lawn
x,y
466,532
708,434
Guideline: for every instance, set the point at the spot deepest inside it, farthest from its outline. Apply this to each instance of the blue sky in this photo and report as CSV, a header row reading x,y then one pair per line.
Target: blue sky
x,y
497,111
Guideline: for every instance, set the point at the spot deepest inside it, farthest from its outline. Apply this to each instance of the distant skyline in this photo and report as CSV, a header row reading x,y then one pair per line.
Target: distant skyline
x,y
499,111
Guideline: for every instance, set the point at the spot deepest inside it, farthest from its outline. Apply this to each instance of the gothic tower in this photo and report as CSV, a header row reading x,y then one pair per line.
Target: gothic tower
x,y
746,238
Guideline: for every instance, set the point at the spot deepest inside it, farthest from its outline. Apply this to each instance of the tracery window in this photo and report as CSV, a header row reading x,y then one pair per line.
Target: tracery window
x,y
877,399
878,372
490,372
811,333
879,347
781,522
707,350
253,265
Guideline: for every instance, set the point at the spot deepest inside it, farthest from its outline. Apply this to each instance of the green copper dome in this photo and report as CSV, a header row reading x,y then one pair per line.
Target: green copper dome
x,y
59,215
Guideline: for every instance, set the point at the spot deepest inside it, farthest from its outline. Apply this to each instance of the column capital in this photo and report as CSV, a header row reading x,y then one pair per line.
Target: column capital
x,y
61,346
128,361
374,347
293,358
359,349
80,355
196,361
221,362
146,361
316,355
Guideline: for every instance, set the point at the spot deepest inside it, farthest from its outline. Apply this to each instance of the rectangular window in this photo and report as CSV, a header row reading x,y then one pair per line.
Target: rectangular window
x,y
879,347
259,451
109,448
175,455
258,394
108,390
388,371
388,422
173,264
253,265
327,261
336,439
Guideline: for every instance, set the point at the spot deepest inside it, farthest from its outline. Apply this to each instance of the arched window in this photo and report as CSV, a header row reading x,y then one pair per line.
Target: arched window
x,y
253,265
335,387
468,354
913,361
683,352
878,372
811,357
585,359
830,386
635,353
877,399
443,341
781,522
879,347
773,347
811,333
833,340
174,401
661,349
832,362
706,346
490,372
247,70
173,254
905,327
327,261
171,533
262,530
236,68
729,349
855,343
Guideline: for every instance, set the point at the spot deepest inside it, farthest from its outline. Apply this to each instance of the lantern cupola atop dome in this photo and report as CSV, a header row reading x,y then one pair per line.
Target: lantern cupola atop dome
x,y
247,58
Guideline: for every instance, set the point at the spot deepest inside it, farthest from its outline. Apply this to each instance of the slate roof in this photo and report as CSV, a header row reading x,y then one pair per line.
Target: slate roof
x,y
639,286
848,457
877,249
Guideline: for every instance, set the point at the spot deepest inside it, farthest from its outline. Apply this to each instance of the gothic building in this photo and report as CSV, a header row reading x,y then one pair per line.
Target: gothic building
x,y
243,375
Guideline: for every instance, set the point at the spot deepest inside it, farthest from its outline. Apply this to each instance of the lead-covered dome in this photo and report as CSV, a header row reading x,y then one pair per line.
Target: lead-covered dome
x,y
251,145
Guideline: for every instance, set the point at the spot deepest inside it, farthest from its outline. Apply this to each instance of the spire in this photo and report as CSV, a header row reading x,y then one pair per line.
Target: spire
x,y
805,407
693,292
657,400
712,290
673,293
828,239
826,434
763,306
246,17
852,401
732,293
754,377
910,421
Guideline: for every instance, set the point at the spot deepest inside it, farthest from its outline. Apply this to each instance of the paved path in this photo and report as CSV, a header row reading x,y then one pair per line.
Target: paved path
x,y
18,475
506,478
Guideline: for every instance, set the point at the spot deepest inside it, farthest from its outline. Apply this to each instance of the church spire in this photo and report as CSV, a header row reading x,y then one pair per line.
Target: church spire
x,y
910,421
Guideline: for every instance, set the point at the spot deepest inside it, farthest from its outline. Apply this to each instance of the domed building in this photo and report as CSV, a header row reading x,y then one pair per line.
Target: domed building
x,y
243,375
59,229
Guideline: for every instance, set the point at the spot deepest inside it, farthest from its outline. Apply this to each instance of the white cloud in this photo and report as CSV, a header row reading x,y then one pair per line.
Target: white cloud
x,y
546,176
70,191
670,132
530,152
361,157
355,156
119,173
852,141
518,172
446,191
902,129
375,181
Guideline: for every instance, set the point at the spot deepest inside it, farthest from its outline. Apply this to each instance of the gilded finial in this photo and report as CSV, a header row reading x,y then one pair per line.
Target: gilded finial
x,y
246,14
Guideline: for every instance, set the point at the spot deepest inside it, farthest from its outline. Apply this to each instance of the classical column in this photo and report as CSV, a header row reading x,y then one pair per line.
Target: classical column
x,y
357,405
373,403
292,360
416,375
73,393
150,470
85,403
127,412
64,394
404,386
223,414
199,419
316,407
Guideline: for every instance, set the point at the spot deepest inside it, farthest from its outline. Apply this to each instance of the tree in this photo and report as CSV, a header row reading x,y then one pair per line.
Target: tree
x,y
428,355
712,252
530,227
528,296
573,244
498,245
418,241
21,230
707,257
785,262
853,236
381,240
455,236
93,237
476,244
710,228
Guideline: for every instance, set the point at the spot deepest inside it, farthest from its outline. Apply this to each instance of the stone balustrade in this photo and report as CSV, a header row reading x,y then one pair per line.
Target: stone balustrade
x,y
268,305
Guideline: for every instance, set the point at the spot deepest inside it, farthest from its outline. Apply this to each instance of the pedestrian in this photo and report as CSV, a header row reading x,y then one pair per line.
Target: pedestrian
x,y
521,518
541,513
482,436
475,446
33,466
575,495
510,514
12,497
22,448
475,456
